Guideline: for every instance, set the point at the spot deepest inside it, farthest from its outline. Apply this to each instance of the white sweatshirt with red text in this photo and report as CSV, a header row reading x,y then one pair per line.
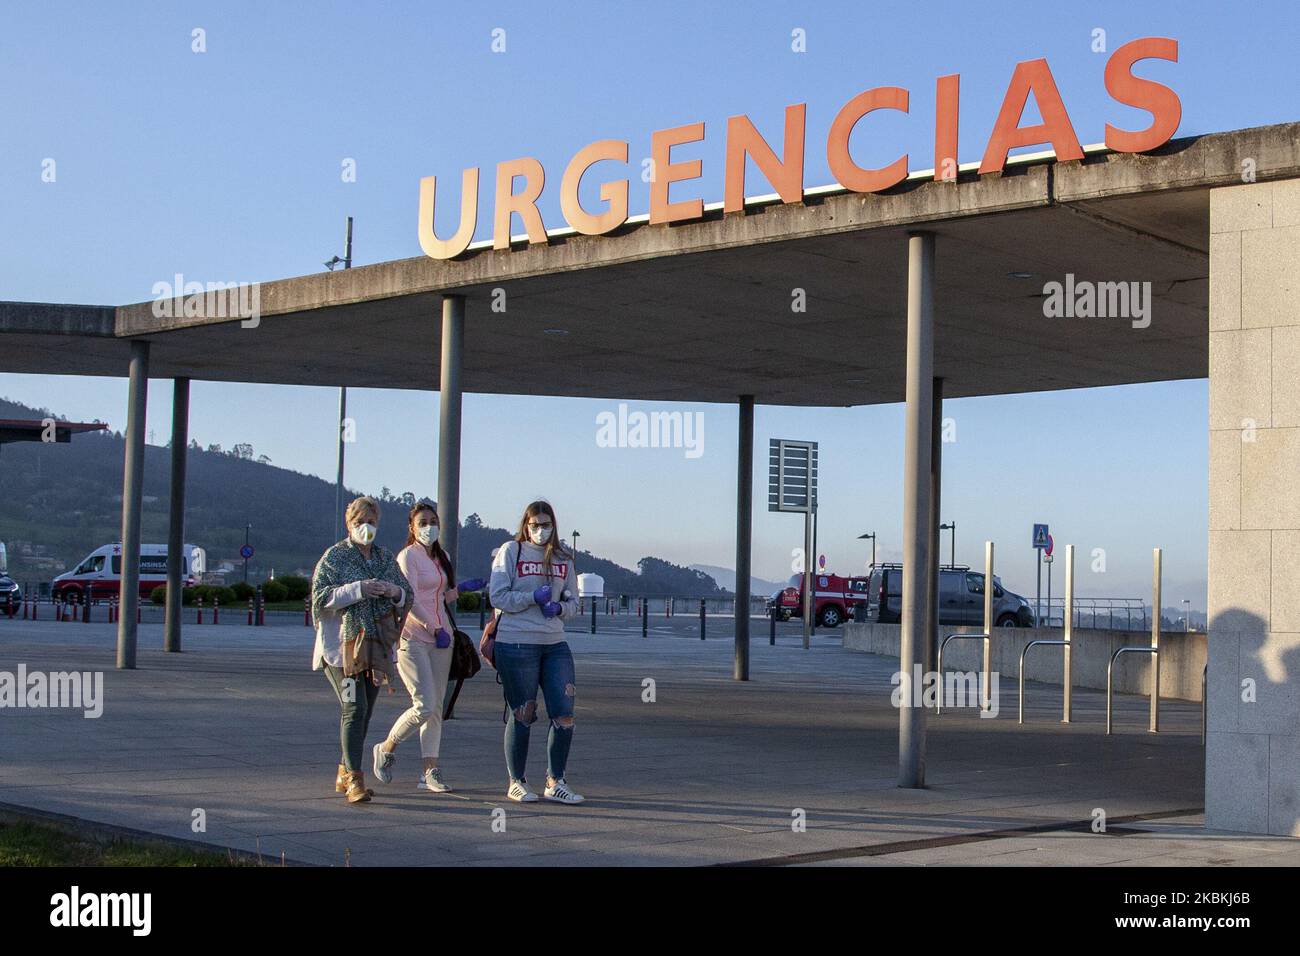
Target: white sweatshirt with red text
x,y
517,571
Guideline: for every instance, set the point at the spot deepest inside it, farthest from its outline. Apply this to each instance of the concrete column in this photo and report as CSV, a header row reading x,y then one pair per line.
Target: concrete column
x,y
176,521
453,347
132,490
1252,757
936,552
918,531
744,530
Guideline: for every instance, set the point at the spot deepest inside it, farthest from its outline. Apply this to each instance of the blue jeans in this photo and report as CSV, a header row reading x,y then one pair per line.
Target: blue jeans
x,y
523,669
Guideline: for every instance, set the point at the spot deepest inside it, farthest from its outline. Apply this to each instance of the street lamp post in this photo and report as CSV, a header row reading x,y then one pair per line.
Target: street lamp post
x,y
952,552
872,536
247,528
346,262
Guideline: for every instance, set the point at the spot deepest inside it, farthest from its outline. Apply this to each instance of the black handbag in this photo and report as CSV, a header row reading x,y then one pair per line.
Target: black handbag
x,y
465,662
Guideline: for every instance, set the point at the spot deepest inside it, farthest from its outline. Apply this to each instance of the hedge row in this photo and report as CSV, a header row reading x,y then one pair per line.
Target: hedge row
x,y
292,588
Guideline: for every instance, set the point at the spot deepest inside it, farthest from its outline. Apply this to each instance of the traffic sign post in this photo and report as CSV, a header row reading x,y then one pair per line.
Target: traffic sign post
x,y
1042,542
246,552
1047,560
792,486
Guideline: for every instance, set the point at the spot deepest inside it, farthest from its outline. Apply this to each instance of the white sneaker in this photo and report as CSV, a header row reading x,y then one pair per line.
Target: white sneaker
x,y
520,792
559,792
383,763
432,780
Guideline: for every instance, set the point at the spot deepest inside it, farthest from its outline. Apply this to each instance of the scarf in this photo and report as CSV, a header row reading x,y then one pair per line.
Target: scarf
x,y
344,563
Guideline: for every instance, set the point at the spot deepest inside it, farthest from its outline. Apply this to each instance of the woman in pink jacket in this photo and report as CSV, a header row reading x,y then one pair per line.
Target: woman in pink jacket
x,y
424,652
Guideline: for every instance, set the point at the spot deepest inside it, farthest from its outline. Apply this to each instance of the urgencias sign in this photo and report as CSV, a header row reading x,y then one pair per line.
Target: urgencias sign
x,y
785,172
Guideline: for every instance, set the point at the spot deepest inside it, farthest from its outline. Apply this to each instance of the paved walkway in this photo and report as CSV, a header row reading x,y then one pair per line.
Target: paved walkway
x,y
713,771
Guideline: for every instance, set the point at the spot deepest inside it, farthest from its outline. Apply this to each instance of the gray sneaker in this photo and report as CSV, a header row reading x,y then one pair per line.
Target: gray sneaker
x,y
383,764
432,780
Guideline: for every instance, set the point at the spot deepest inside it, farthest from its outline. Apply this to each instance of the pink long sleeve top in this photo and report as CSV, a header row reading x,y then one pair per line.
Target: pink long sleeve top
x,y
429,586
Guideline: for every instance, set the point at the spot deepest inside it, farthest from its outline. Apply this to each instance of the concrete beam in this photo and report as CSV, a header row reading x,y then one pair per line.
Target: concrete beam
x,y
1197,162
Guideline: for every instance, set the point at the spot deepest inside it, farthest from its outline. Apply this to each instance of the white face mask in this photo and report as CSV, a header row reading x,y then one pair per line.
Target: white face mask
x,y
426,534
539,536
363,533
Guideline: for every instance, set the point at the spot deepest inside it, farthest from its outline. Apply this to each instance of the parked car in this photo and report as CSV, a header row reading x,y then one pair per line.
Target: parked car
x,y
961,598
9,589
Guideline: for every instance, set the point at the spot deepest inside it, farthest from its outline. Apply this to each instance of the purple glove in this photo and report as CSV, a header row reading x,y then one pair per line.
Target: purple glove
x,y
473,584
441,638
543,595
551,608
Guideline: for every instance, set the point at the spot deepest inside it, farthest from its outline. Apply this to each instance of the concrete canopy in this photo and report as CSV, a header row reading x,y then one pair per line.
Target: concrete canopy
x,y
701,311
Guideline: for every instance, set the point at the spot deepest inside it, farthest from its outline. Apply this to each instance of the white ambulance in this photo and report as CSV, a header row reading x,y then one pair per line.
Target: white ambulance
x,y
99,575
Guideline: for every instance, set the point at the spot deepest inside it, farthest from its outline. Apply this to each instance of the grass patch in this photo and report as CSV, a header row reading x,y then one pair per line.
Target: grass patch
x,y
33,844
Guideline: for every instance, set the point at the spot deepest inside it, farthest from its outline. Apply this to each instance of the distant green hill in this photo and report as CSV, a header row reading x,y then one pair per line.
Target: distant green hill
x,y
58,502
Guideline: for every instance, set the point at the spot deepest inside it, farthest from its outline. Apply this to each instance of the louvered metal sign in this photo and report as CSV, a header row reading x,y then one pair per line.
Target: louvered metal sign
x,y
792,476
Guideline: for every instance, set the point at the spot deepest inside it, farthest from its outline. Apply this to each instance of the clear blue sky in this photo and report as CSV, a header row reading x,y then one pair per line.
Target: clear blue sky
x,y
226,165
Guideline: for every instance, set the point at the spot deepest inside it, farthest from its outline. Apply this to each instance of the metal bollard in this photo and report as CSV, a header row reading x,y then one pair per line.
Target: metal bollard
x,y
593,615
139,610
771,634
85,611
199,603
306,612
216,608
645,617
250,610
260,617
701,618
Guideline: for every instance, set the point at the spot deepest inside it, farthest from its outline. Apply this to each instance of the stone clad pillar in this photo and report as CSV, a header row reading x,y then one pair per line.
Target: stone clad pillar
x,y
1252,761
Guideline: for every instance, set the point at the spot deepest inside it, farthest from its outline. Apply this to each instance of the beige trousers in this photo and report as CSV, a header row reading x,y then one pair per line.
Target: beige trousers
x,y
423,669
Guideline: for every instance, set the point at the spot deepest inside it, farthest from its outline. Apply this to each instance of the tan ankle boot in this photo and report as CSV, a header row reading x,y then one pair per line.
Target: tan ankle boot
x,y
341,782
357,792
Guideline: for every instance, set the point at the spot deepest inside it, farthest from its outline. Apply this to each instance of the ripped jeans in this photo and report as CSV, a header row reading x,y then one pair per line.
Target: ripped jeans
x,y
524,668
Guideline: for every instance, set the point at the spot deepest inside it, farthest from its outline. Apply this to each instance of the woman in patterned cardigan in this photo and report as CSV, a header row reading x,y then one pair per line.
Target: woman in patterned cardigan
x,y
356,585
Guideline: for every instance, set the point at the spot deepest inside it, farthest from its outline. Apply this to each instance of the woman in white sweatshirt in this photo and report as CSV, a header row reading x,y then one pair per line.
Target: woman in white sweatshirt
x,y
533,590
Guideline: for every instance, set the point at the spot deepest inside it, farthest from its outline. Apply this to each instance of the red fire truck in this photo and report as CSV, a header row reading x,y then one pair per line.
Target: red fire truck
x,y
834,598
